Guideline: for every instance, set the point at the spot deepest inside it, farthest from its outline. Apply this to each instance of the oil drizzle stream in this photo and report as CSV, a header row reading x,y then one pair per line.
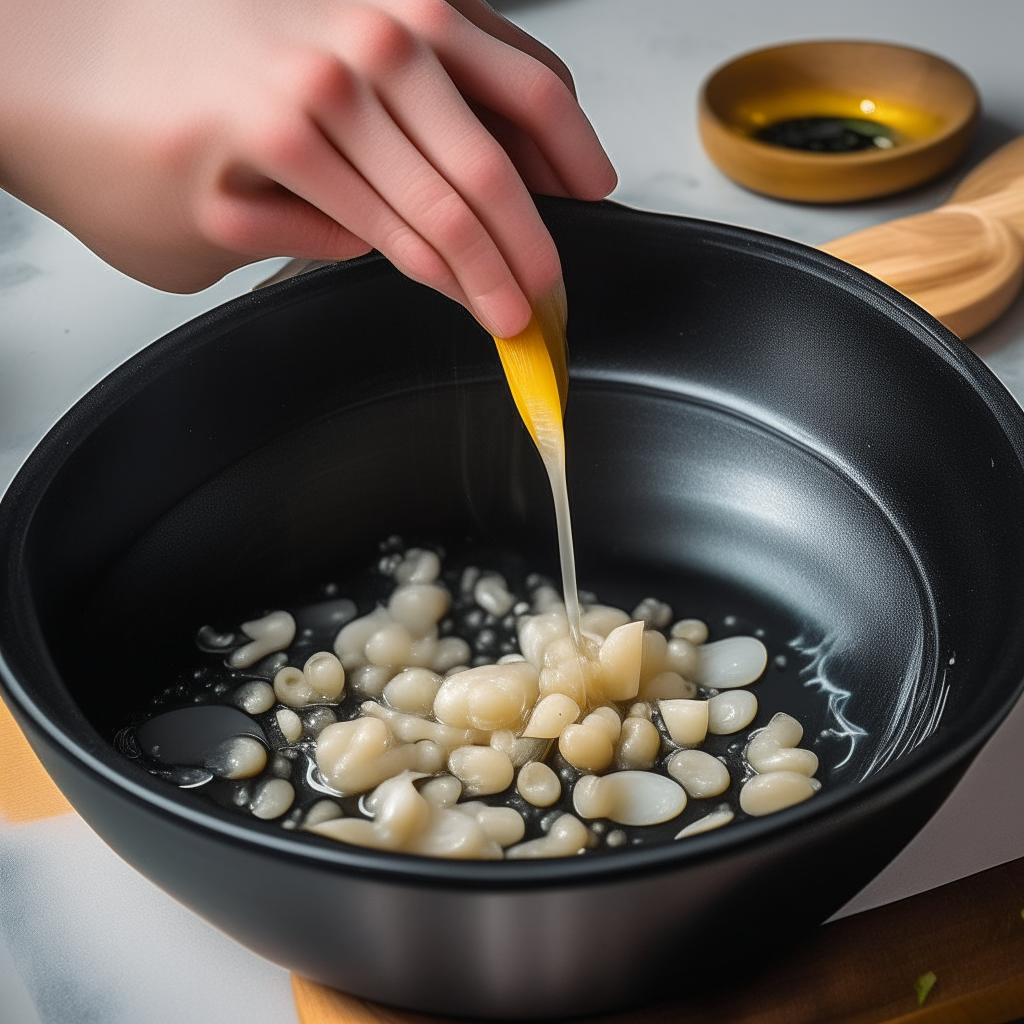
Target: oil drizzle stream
x,y
536,368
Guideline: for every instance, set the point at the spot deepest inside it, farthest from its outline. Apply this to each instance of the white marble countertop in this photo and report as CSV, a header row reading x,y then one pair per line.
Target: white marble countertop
x,y
83,939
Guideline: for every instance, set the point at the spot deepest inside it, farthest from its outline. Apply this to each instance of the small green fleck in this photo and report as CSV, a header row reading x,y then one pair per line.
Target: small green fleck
x,y
923,986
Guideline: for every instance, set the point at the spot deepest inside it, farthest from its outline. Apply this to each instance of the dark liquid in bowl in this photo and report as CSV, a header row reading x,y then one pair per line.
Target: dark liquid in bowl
x,y
828,134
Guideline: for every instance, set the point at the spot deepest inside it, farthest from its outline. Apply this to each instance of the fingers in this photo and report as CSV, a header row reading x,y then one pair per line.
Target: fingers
x,y
267,220
523,90
494,24
411,213
434,163
291,150
378,133
529,161
533,98
418,187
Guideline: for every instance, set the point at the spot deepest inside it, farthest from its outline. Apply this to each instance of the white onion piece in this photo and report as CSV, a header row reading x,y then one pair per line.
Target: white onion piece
x,y
567,837
358,755
766,794
444,791
538,784
481,770
726,664
488,697
321,811
628,798
240,757
689,629
667,686
685,720
655,656
590,746
551,716
547,599
537,631
620,657
419,607
418,566
413,691
274,632
716,819
639,743
491,594
290,725
370,680
774,748
255,697
413,728
700,774
390,645
601,619
519,751
325,674
681,656
449,652
653,613
292,687
350,643
272,799
731,711
405,820
504,825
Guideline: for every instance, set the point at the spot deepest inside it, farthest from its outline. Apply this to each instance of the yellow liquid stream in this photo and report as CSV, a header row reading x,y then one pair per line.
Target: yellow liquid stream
x,y
535,366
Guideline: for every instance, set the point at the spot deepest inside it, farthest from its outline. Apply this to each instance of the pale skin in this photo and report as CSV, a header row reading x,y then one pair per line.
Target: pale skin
x,y
182,140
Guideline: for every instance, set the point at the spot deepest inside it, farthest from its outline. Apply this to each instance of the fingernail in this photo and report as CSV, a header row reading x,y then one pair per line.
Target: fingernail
x,y
500,316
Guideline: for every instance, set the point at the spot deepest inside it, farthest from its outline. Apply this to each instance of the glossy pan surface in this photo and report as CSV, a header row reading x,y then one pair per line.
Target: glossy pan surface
x,y
753,428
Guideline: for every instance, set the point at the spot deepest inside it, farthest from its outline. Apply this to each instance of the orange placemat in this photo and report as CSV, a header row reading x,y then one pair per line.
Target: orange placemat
x,y
860,970
26,791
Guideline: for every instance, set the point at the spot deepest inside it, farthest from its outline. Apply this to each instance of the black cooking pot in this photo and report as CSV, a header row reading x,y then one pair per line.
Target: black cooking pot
x,y
755,430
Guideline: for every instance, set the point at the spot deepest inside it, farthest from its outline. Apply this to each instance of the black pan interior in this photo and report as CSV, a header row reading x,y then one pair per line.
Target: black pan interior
x,y
666,503
748,426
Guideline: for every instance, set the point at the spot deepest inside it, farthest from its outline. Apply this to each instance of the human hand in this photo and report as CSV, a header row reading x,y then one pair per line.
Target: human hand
x,y
181,140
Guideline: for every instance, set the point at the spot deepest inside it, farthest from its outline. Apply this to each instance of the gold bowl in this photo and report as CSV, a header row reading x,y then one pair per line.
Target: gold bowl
x,y
925,107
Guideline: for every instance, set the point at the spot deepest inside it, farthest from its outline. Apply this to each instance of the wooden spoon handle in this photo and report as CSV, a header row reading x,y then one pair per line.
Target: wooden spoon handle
x,y
1003,167
1006,205
962,266
963,262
